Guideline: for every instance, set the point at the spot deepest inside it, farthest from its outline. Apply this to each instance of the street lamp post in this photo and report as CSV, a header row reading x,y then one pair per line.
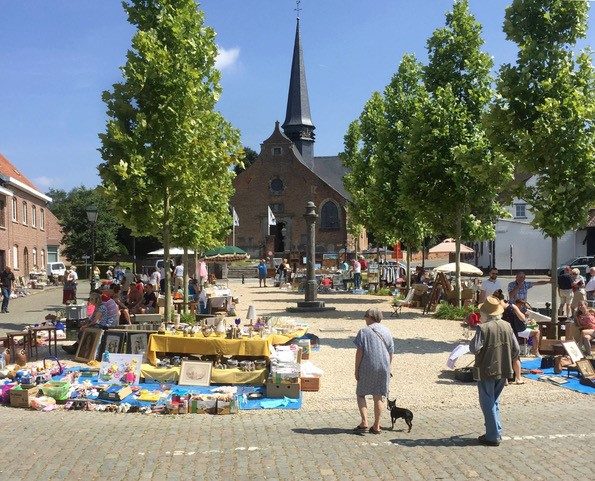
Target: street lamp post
x,y
92,218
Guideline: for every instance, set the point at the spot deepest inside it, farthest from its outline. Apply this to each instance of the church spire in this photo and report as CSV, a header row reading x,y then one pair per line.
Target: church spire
x,y
298,124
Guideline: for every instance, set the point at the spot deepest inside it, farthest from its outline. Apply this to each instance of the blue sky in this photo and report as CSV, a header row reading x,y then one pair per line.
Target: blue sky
x,y
57,56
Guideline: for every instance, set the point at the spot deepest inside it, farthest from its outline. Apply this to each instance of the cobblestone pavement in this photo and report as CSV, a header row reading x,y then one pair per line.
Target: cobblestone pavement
x,y
32,308
546,441
546,435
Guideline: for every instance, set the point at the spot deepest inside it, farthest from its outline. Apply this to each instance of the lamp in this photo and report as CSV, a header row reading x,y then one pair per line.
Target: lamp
x,y
92,214
251,316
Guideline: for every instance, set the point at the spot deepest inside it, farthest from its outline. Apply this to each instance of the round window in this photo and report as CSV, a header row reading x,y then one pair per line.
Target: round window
x,y
277,185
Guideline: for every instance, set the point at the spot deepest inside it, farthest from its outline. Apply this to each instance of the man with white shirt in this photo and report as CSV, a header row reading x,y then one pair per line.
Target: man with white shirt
x,y
179,275
490,285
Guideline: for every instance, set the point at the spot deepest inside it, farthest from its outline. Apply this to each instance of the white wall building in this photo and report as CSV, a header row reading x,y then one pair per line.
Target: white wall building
x,y
530,249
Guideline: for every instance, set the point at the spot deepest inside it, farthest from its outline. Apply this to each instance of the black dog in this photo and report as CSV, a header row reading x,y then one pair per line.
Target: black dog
x,y
396,413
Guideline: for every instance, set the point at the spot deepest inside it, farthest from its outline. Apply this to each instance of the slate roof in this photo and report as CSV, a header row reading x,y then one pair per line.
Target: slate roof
x,y
298,104
331,170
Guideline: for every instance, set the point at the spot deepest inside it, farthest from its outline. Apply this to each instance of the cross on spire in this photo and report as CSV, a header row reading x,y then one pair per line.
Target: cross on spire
x,y
297,8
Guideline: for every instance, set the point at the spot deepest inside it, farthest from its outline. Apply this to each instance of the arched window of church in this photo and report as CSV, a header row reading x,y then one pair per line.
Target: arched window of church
x,y
329,216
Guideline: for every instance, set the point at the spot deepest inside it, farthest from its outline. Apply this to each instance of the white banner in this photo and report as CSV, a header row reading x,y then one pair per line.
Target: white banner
x,y
272,220
236,219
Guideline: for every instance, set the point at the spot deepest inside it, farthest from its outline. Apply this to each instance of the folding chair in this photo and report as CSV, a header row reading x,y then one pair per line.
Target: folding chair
x,y
399,304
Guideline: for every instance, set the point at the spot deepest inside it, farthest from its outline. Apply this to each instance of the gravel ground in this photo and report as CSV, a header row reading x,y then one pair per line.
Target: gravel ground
x,y
422,344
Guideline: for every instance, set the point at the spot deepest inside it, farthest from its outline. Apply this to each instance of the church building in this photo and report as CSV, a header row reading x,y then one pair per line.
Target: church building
x,y
285,176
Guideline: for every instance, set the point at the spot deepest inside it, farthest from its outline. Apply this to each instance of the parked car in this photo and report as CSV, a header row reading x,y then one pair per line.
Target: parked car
x,y
55,269
581,263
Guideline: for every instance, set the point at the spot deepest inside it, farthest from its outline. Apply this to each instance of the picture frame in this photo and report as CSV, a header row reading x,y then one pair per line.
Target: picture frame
x,y
121,369
195,373
572,349
585,368
88,345
113,342
138,343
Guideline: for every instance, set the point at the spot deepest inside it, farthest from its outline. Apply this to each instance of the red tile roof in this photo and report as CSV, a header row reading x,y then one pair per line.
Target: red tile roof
x,y
8,169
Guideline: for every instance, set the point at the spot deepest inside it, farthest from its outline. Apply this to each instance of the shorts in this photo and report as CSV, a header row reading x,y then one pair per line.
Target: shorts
x,y
526,334
566,295
579,296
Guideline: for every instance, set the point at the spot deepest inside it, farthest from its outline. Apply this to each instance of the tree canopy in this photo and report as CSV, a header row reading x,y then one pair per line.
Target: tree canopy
x,y
168,154
451,175
70,210
542,117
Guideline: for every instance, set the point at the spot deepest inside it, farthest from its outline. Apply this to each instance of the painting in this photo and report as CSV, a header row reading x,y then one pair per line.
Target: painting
x,y
113,342
195,373
121,369
573,350
88,344
137,342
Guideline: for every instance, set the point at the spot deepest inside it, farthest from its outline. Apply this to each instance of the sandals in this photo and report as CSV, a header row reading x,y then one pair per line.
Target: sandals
x,y
361,430
520,381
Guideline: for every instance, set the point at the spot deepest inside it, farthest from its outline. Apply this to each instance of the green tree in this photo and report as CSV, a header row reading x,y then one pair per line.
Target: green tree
x,y
403,97
361,143
542,118
168,155
250,156
451,176
69,209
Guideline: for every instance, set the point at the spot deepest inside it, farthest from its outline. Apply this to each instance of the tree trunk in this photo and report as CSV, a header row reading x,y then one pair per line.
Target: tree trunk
x,y
186,268
554,278
408,263
458,260
166,268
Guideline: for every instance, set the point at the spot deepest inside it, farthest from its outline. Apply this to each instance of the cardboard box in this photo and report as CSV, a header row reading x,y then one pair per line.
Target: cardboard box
x,y
21,398
283,390
310,384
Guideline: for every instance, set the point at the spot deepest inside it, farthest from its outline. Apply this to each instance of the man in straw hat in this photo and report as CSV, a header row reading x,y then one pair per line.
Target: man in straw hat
x,y
495,347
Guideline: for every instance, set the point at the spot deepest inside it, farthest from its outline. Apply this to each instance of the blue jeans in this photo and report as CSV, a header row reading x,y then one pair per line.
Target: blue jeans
x,y
489,400
5,298
357,280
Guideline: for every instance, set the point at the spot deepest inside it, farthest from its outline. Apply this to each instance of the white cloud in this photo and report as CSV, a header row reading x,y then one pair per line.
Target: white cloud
x,y
45,182
226,58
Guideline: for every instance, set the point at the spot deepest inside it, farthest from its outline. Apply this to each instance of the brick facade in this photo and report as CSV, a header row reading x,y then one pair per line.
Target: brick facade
x,y
26,223
280,179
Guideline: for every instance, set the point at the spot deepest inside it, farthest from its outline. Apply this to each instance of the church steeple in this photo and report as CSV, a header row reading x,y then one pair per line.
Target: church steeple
x,y
298,124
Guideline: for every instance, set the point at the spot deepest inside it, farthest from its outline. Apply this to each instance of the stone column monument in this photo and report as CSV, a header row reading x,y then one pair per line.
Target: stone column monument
x,y
310,303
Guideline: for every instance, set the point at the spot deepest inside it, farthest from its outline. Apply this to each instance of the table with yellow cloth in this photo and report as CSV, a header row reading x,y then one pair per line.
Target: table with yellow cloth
x,y
218,376
215,345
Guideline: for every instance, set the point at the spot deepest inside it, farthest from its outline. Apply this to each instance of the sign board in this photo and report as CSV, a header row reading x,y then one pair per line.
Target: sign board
x,y
330,256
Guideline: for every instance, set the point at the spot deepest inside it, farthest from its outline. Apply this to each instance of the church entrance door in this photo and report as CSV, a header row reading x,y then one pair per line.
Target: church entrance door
x,y
279,231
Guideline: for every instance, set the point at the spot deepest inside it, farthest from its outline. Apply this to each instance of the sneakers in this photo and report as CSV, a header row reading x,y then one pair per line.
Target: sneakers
x,y
486,442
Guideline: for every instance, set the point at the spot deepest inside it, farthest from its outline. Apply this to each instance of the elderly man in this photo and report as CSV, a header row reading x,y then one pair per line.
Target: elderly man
x,y
518,288
495,347
590,287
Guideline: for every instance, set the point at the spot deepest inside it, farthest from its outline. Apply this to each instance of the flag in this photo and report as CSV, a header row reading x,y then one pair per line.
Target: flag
x,y
272,220
236,219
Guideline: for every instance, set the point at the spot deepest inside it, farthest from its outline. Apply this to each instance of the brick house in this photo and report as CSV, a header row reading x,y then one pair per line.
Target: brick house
x,y
285,176
29,232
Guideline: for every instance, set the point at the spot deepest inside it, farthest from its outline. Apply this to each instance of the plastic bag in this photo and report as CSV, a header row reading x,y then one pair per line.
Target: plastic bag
x,y
310,370
42,402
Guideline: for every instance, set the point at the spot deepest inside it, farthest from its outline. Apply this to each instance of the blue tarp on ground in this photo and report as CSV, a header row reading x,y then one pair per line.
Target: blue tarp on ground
x,y
573,380
243,402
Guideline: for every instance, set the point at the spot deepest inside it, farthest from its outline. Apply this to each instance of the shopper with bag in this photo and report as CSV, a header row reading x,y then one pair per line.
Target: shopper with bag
x,y
373,358
495,347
